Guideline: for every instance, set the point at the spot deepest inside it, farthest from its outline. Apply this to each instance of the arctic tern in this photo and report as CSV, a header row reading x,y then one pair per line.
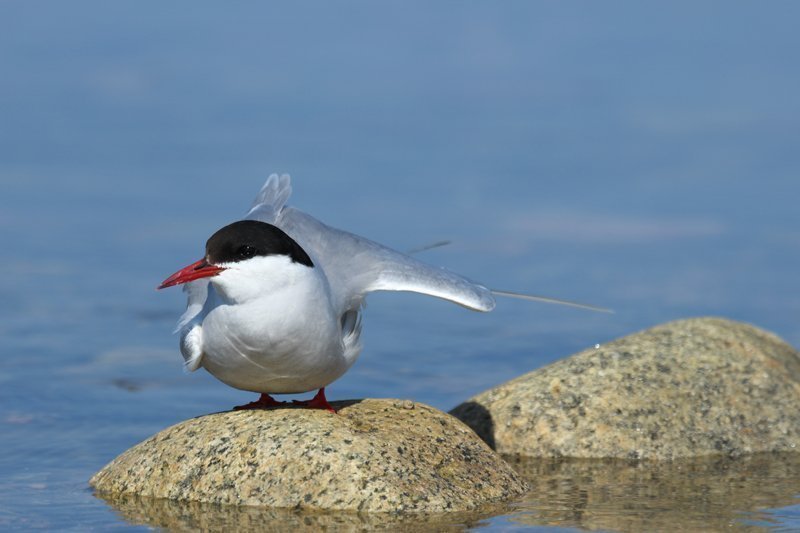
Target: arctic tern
x,y
274,306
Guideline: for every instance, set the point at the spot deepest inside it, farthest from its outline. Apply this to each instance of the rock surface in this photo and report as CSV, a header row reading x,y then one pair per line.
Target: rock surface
x,y
373,456
686,388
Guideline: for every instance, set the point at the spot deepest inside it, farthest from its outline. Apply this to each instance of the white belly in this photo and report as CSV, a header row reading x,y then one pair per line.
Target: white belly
x,y
263,349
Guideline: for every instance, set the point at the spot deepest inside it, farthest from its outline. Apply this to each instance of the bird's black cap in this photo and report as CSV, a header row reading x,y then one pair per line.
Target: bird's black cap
x,y
250,238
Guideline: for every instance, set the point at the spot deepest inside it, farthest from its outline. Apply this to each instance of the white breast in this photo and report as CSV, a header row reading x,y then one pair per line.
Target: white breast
x,y
284,337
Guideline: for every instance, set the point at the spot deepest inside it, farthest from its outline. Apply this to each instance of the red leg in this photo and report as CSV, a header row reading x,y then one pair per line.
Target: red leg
x,y
317,402
265,401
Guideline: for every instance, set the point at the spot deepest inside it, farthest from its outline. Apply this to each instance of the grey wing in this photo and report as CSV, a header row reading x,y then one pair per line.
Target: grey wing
x,y
356,266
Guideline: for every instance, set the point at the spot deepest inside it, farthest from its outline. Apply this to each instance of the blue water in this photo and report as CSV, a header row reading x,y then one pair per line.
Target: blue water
x,y
635,155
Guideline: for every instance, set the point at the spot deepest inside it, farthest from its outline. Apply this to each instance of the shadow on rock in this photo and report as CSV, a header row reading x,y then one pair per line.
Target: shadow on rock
x,y
478,418
286,405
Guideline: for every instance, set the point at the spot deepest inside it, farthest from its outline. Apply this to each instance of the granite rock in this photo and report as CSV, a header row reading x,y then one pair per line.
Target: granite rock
x,y
373,456
686,388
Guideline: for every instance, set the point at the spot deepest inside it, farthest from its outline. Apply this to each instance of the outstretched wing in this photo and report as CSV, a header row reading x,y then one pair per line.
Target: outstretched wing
x,y
356,266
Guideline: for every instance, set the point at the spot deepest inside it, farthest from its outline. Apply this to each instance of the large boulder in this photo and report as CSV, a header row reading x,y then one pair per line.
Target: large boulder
x,y
373,456
686,388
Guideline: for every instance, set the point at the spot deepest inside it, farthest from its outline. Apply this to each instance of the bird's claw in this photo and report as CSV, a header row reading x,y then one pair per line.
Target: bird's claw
x,y
317,402
264,402
268,402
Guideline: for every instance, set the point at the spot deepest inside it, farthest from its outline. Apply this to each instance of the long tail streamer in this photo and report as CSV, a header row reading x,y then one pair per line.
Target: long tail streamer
x,y
549,300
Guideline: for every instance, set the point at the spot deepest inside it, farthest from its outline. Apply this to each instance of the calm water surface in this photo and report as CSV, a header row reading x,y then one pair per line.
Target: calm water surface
x,y
642,157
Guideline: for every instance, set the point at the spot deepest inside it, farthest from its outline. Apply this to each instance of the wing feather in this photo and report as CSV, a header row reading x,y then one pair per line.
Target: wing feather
x,y
196,294
271,199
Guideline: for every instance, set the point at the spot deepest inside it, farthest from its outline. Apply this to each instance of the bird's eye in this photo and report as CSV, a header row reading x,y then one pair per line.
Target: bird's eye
x,y
246,251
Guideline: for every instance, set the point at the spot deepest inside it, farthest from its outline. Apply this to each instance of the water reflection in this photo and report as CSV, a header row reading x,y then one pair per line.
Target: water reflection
x,y
194,516
706,494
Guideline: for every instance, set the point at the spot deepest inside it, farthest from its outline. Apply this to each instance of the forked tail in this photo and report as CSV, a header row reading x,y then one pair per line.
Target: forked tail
x,y
549,300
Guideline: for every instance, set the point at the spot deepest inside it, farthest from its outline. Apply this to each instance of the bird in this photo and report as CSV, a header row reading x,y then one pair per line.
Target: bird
x,y
274,306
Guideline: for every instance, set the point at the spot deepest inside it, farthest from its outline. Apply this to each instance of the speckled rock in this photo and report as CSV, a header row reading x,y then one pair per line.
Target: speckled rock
x,y
373,456
686,388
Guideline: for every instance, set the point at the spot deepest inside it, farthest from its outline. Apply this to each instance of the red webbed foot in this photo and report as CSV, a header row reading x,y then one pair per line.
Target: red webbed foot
x,y
265,401
317,402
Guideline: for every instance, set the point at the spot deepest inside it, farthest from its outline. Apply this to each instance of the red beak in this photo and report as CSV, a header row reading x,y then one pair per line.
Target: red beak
x,y
197,270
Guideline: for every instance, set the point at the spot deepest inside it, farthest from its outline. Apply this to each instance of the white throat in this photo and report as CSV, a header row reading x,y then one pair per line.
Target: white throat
x,y
260,277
